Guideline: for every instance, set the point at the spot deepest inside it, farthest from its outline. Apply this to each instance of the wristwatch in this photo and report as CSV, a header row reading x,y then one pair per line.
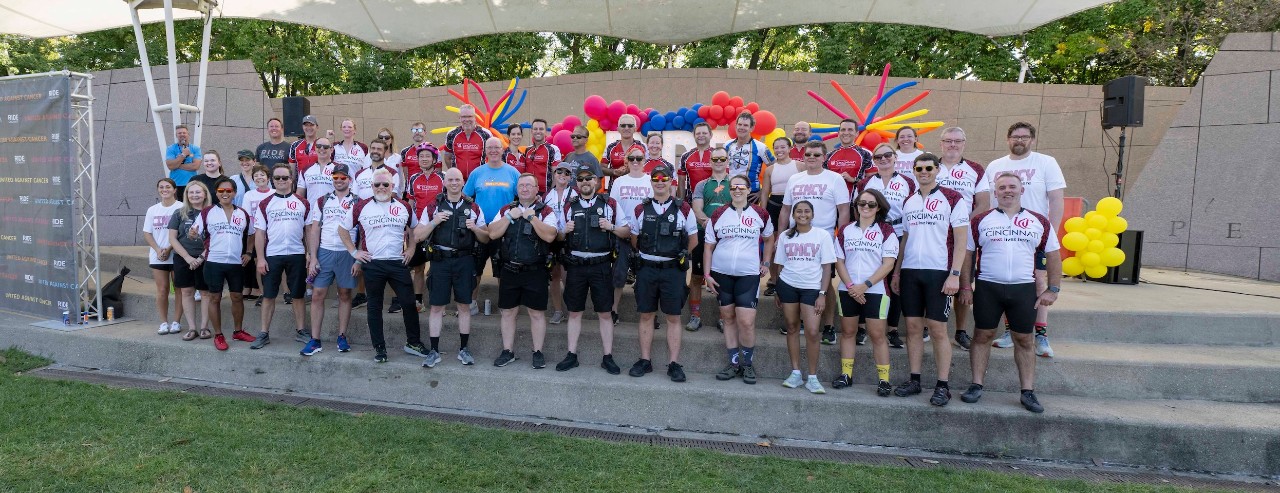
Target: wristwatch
x,y
868,283
955,272
822,292
1055,289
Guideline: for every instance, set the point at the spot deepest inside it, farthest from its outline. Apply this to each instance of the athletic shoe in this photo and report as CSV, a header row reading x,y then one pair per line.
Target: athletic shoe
x,y
243,336
907,388
288,298
676,372
475,308
963,340
1005,341
607,363
164,329
615,317
895,339
395,305
569,362
312,347
802,327
343,345
828,335
301,336
926,335
432,359
420,307
359,299
261,342
640,368
841,382
418,349
941,396
782,330
539,361
748,374
258,302
770,289
973,394
464,355
657,324
695,323
1042,346
175,327
505,358
1030,402
557,317
793,381
884,388
197,295
730,370
380,354
861,338
720,326
220,342
814,385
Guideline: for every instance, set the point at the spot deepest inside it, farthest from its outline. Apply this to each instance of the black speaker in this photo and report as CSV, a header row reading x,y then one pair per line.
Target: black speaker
x,y
294,109
1122,102
1127,273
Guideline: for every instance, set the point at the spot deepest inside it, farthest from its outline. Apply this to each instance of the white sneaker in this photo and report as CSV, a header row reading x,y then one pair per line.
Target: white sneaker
x,y
793,381
1005,341
197,296
926,335
814,385
164,329
557,317
1042,347
175,327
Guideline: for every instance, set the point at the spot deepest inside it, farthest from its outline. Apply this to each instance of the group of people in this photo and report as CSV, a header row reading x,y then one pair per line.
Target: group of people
x,y
904,231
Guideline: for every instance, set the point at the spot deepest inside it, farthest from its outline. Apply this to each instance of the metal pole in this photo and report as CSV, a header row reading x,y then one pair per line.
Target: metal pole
x,y
1119,174
151,86
204,73
173,65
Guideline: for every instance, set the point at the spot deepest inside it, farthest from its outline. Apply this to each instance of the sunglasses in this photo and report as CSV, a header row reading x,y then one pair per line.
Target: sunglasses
x,y
226,190
737,188
280,178
576,137
924,169
585,178
384,137
381,185
417,130
813,154
626,125
635,159
867,204
323,146
886,155
660,179
719,159
340,178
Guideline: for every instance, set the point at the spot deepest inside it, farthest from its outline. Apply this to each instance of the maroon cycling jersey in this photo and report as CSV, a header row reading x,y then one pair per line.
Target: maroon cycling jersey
x,y
695,166
467,149
302,155
423,189
853,160
537,160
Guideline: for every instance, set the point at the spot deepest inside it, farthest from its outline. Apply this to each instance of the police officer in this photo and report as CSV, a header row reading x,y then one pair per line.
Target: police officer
x,y
592,226
666,231
525,229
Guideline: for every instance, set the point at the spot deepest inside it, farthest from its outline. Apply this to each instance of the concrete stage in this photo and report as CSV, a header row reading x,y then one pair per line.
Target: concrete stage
x,y
1179,372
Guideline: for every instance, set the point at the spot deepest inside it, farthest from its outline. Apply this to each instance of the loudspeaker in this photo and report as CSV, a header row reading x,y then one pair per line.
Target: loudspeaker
x,y
295,108
1122,102
1127,273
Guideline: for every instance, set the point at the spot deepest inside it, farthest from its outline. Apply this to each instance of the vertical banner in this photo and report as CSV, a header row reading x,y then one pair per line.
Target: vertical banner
x,y
37,237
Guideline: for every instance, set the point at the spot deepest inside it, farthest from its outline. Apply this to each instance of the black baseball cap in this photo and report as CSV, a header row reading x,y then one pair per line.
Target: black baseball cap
x,y
341,168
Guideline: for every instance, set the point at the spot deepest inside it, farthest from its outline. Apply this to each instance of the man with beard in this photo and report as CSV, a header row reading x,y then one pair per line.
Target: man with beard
x,y
800,134
329,263
524,230
363,186
279,222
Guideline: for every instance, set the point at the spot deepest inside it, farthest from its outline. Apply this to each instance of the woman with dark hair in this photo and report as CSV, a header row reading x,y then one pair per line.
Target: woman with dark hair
x,y
732,271
160,254
188,275
225,229
867,250
390,157
806,254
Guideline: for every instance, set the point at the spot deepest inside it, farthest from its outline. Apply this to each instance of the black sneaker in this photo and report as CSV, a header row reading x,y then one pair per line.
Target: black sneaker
x,y
884,388
418,350
861,338
358,300
615,317
907,388
380,354
640,368
720,326
973,394
941,396
539,361
963,340
926,335
569,362
300,336
505,358
1030,402
828,335
676,372
395,305
608,365
729,372
842,381
895,339
782,330
288,298
770,289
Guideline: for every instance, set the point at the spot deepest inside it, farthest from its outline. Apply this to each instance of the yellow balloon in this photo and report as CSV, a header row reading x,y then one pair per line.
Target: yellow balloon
x,y
1075,241
1093,233
1089,215
772,136
1117,225
1090,259
1075,225
1110,206
1095,246
1072,267
592,124
1110,240
1098,221
1096,272
1112,257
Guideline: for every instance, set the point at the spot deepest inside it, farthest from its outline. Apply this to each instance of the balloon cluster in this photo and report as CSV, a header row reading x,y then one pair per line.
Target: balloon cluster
x,y
490,117
873,129
682,119
561,135
606,114
1093,238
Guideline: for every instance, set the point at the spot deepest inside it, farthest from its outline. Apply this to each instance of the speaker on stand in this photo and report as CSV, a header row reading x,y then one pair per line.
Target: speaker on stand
x,y
1122,106
294,109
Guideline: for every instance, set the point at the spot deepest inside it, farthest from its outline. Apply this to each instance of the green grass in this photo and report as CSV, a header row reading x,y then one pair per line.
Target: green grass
x,y
71,436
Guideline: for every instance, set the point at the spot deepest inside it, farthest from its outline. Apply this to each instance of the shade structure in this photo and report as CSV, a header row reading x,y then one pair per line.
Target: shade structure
x,y
407,24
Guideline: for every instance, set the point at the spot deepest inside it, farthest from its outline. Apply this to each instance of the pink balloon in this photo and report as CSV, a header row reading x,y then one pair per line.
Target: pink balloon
x,y
570,122
607,124
595,106
633,109
616,109
556,128
561,140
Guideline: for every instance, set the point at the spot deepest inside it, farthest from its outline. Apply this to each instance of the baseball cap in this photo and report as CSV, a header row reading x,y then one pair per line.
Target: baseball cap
x,y
310,119
341,168
244,153
663,170
588,167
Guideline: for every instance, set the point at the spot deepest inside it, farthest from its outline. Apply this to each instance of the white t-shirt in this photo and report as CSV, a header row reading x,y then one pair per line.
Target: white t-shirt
x,y
331,216
1007,246
382,227
1040,175
317,181
864,250
737,236
684,219
558,200
927,223
157,225
827,191
802,257
284,220
252,198
223,235
362,185
906,163
630,192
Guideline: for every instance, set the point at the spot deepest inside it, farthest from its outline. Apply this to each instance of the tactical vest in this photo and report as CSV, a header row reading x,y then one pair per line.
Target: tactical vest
x,y
521,244
454,233
660,234
587,236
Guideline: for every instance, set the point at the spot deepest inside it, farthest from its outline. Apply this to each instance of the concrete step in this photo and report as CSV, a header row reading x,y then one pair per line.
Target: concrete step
x,y
1180,434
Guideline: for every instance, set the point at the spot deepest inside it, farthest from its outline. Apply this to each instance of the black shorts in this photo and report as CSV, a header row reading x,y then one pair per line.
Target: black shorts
x,y
622,265
787,293
1042,261
163,267
216,275
293,267
660,287
483,254
420,256
528,288
895,310
1015,302
774,207
739,291
454,275
876,307
186,277
695,257
920,291
583,280
249,275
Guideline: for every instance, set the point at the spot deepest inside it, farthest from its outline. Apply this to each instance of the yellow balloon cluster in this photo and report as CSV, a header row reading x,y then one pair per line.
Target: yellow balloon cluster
x,y
1093,238
595,138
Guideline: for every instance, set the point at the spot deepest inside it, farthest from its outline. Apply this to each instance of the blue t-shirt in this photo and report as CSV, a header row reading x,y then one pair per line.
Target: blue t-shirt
x,y
182,176
492,188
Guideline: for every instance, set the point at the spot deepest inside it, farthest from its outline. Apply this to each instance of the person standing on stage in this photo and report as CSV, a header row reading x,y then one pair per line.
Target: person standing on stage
x,y
160,253
540,157
733,237
317,181
828,195
328,262
279,222
614,163
182,158
512,155
707,197
422,189
226,230
350,151
895,188
409,155
849,160
630,191
492,185
800,134
905,141
524,230
962,175
695,164
747,156
866,250
557,197
362,182
188,272
275,150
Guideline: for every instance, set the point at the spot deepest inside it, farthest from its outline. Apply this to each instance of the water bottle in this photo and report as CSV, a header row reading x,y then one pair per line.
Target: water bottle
x,y
487,308
111,313
66,317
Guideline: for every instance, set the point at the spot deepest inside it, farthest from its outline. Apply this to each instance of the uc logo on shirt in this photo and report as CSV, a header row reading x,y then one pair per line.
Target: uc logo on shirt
x,y
1022,222
932,204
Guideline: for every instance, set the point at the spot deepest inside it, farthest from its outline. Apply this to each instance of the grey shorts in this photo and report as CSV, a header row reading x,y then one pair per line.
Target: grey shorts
x,y
335,268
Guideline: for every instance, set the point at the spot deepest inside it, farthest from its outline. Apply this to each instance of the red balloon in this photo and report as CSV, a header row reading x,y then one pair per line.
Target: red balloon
x,y
720,98
704,111
730,113
607,124
633,109
765,123
570,122
715,111
733,131
735,102
561,139
871,140
594,106
556,128
753,107
616,109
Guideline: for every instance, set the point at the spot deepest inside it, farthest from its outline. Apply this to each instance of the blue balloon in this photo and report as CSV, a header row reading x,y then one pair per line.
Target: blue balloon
x,y
657,122
696,107
698,120
670,115
644,129
678,122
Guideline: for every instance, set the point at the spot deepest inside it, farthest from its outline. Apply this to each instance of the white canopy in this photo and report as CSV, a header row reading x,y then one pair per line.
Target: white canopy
x,y
406,24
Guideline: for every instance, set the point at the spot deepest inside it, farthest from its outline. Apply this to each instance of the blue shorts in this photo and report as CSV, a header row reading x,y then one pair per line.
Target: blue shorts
x,y
335,267
737,291
787,293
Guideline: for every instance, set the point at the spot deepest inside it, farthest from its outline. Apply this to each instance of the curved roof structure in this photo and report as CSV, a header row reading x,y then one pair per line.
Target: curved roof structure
x,y
407,24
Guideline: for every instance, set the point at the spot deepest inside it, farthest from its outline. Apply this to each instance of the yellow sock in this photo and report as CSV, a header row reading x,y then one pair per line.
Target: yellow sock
x,y
846,366
882,371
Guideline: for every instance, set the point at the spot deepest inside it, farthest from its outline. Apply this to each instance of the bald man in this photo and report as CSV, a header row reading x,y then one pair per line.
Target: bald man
x,y
800,134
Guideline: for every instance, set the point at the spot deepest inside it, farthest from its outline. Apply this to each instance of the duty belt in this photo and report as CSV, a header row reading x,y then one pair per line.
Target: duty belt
x,y
518,268
569,259
437,254
664,264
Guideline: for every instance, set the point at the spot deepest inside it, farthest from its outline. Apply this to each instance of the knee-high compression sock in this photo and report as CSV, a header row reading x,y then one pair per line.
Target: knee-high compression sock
x,y
464,339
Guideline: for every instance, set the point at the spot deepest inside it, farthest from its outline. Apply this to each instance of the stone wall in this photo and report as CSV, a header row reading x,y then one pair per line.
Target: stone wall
x,y
1204,198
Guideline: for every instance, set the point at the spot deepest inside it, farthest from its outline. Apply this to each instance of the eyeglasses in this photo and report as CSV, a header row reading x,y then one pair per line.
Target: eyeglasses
x,y
952,141
417,130
867,204
886,155
635,159
384,136
226,190
1020,138
576,137
381,185
924,169
719,159
660,179
323,146
585,178
737,188
280,178
340,178
626,125
813,154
